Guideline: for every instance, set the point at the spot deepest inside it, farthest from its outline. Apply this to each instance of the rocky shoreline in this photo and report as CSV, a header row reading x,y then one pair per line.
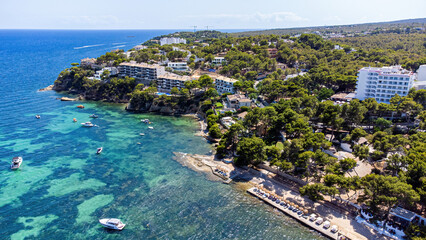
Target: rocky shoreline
x,y
48,88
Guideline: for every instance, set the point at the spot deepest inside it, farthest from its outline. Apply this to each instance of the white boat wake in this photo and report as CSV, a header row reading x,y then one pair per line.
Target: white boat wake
x,y
88,46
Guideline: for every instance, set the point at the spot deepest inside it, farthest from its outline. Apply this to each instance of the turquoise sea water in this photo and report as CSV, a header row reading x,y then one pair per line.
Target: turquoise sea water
x,y
63,187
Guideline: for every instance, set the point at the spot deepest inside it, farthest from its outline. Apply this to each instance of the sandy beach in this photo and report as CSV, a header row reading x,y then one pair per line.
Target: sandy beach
x,y
249,177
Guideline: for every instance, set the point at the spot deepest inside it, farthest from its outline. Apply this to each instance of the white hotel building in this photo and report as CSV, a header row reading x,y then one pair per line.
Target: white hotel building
x,y
172,40
141,71
166,82
382,83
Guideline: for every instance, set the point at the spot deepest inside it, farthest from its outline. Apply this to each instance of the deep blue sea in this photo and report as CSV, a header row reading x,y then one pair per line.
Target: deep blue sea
x,y
63,187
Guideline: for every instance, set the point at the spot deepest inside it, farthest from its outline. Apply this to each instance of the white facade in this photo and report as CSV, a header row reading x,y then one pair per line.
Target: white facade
x,y
219,60
383,83
172,40
141,71
166,82
178,66
421,73
224,85
421,78
112,71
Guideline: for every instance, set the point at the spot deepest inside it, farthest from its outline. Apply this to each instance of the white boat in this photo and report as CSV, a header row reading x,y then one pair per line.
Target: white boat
x,y
334,228
99,150
112,223
145,120
151,127
16,163
38,116
142,134
326,224
88,124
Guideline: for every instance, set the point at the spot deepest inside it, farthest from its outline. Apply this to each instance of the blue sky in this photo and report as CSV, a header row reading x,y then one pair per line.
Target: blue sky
x,y
219,14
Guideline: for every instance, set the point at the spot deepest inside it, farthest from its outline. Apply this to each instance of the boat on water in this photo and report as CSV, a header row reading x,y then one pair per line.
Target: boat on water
x,y
145,120
151,127
99,150
80,106
94,116
142,134
37,116
16,163
112,223
88,124
74,120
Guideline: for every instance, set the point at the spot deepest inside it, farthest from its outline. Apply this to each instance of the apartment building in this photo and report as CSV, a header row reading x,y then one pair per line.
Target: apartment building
x,y
167,81
382,83
141,71
172,40
224,84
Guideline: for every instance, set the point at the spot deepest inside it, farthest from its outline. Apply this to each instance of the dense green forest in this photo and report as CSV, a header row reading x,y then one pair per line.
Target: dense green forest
x,y
411,25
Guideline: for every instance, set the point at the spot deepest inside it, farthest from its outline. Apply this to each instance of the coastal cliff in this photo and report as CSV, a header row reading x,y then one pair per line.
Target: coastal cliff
x,y
168,105
124,90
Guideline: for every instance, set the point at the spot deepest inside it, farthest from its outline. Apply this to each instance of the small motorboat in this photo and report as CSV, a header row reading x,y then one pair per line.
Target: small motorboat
x,y
88,124
16,163
112,223
142,134
37,116
145,120
74,120
94,116
80,106
151,127
99,150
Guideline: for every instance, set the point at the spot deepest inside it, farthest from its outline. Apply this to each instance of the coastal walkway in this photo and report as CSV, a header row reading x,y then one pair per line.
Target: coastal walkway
x,y
305,221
